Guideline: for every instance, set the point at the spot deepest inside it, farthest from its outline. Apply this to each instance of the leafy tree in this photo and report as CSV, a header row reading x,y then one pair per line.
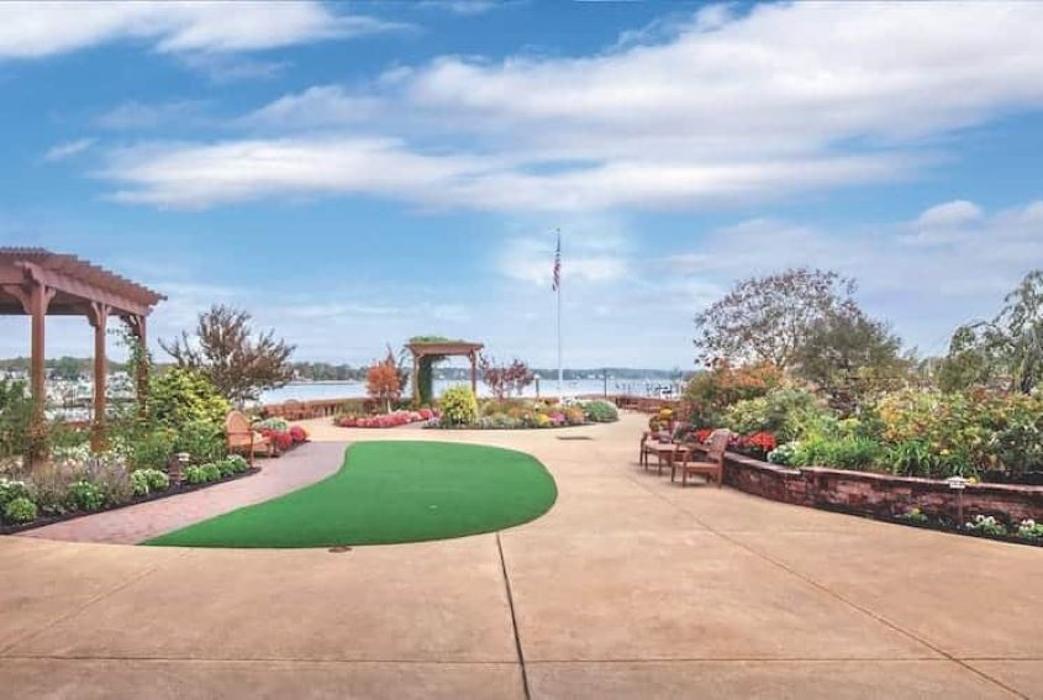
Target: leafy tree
x,y
382,380
709,393
1008,349
226,352
848,356
768,319
16,410
504,380
180,396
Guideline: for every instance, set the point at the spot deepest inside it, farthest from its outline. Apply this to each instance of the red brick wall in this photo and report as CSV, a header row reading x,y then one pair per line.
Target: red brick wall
x,y
880,494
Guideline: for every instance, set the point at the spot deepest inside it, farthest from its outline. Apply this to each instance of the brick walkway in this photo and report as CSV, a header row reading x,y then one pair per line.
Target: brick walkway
x,y
304,465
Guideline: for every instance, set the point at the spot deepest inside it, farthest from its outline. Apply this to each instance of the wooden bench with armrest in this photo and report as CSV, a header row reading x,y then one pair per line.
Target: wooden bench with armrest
x,y
712,468
244,439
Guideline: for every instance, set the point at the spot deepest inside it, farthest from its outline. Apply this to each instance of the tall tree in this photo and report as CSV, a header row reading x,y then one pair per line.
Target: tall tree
x,y
226,352
1007,350
848,356
504,380
768,319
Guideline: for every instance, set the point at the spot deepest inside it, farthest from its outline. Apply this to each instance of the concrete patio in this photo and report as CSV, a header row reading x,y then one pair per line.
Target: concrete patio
x,y
628,587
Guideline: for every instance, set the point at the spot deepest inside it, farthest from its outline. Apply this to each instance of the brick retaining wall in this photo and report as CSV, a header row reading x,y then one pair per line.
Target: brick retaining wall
x,y
880,494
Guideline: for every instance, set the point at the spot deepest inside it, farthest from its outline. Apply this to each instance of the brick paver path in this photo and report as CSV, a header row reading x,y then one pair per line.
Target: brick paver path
x,y
304,465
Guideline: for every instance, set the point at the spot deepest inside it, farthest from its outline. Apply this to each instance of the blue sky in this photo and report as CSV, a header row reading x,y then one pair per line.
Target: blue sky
x,y
357,173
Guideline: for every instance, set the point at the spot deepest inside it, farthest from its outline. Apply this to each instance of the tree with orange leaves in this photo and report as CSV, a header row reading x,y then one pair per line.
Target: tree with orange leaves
x,y
382,381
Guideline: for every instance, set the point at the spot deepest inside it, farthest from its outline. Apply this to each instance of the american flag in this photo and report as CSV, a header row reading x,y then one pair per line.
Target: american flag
x,y
557,265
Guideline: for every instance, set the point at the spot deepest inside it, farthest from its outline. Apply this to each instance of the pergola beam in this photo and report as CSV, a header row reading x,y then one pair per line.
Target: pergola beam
x,y
443,349
34,278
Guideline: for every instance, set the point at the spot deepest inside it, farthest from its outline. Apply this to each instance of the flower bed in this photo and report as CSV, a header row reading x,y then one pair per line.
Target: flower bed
x,y
85,496
1008,512
281,434
386,420
525,414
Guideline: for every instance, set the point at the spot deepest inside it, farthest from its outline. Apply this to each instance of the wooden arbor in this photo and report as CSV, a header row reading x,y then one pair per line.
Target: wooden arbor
x,y
38,282
446,348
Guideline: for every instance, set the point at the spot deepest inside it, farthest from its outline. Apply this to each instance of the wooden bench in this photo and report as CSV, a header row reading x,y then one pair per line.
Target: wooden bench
x,y
244,439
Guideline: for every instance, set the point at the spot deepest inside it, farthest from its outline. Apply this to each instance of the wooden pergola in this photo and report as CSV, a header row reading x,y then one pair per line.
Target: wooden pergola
x,y
39,283
446,348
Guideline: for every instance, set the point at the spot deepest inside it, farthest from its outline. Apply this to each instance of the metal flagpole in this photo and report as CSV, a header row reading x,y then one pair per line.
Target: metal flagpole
x,y
557,288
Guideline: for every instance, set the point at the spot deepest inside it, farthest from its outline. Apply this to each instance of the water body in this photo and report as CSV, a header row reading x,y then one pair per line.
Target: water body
x,y
349,390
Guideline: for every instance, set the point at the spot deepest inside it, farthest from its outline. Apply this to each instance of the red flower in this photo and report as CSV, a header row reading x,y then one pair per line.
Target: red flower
x,y
763,442
298,434
703,434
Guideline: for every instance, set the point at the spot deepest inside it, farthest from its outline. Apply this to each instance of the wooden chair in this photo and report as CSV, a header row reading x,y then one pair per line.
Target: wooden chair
x,y
242,438
712,468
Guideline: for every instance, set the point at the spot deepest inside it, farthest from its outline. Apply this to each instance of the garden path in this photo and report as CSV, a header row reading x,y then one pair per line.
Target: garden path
x,y
628,587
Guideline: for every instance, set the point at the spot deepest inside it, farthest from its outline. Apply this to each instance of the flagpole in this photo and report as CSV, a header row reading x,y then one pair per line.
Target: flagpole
x,y
561,373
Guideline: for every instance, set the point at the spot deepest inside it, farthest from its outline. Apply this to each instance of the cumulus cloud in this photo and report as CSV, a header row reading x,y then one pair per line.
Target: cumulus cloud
x,y
725,108
33,29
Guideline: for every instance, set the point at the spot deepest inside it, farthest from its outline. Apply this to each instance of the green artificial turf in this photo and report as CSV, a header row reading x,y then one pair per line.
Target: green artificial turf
x,y
389,492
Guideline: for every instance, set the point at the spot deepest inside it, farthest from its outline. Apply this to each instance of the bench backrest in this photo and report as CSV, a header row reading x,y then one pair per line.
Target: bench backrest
x,y
719,440
238,427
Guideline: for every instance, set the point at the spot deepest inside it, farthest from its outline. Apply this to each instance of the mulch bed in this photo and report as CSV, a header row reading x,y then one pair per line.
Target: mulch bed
x,y
172,491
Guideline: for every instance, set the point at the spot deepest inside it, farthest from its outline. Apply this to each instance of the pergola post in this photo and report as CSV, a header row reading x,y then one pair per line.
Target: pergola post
x,y
98,315
474,373
39,299
139,330
416,378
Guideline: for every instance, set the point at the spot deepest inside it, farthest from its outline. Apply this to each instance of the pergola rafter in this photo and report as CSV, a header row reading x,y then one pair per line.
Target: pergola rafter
x,y
38,283
446,348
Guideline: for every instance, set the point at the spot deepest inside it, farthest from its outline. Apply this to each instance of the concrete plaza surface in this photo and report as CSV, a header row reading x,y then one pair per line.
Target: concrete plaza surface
x,y
628,587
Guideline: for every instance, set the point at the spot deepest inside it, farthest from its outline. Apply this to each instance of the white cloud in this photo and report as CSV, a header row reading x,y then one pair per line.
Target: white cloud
x,y
725,108
66,150
36,29
956,213
319,106
140,115
925,291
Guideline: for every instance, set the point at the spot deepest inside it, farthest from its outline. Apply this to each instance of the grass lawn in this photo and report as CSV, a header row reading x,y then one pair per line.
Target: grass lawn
x,y
389,492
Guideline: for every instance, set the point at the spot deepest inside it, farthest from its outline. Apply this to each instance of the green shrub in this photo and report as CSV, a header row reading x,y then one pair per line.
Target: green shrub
x,y
785,454
15,416
139,483
20,510
238,463
986,525
203,440
273,424
157,480
84,495
854,453
784,412
150,449
459,406
146,481
10,490
211,472
195,475
181,396
599,412
1030,529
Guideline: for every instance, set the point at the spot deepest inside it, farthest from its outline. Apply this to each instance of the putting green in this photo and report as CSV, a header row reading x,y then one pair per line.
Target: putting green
x,y
389,492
